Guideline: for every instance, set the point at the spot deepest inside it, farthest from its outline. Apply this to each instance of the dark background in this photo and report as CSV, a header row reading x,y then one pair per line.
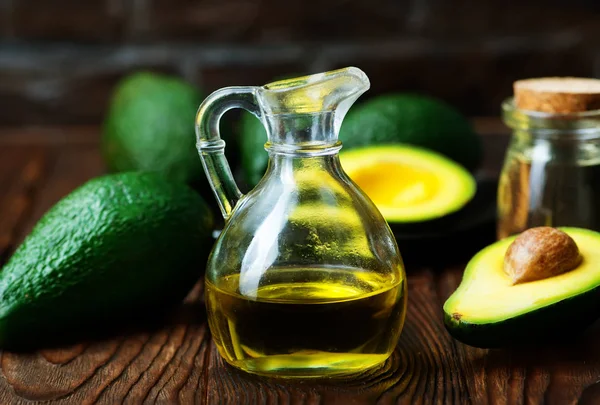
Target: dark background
x,y
59,59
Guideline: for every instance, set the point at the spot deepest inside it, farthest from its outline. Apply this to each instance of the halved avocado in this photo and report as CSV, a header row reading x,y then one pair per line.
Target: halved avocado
x,y
488,311
409,184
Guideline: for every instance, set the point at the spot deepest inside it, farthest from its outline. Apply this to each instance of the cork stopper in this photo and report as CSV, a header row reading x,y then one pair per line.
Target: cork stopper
x,y
557,95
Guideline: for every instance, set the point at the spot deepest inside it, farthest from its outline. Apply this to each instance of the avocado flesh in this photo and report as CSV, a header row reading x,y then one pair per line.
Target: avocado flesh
x,y
409,184
486,310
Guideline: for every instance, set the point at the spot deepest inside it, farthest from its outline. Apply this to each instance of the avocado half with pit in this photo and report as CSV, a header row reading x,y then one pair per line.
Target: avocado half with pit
x,y
409,184
487,310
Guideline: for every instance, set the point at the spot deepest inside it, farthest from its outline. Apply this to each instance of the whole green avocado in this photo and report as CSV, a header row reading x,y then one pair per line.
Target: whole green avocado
x,y
120,246
149,126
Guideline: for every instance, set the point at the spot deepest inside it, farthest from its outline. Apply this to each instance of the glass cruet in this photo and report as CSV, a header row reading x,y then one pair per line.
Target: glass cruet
x,y
305,279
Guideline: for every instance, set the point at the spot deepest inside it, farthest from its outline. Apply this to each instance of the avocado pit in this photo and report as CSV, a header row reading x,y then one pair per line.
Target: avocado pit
x,y
540,253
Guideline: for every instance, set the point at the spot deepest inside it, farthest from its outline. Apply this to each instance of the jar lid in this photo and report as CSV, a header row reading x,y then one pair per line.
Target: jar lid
x,y
557,95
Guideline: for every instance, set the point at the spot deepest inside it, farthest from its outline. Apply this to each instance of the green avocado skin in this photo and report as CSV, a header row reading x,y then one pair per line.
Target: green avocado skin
x,y
560,321
119,246
149,126
254,158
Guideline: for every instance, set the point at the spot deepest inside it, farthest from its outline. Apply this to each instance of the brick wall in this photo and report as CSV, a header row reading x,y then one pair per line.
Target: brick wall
x,y
59,59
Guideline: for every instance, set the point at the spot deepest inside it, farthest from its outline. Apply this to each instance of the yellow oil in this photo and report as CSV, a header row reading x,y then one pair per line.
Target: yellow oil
x,y
307,322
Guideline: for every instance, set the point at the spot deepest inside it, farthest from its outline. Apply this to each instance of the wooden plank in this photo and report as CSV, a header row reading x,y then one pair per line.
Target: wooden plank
x,y
153,366
21,171
425,343
68,167
50,136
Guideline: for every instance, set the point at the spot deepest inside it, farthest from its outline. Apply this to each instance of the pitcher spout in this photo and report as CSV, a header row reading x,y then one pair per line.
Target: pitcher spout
x,y
286,105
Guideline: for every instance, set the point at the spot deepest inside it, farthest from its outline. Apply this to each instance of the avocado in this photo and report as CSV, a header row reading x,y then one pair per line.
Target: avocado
x,y
487,310
413,119
409,184
394,118
121,246
253,156
149,127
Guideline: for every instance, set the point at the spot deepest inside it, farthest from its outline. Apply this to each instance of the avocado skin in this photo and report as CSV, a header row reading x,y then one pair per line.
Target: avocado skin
x,y
149,126
563,320
120,246
254,158
413,119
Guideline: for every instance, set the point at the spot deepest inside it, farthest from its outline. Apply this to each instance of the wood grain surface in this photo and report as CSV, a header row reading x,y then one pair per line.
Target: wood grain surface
x,y
177,363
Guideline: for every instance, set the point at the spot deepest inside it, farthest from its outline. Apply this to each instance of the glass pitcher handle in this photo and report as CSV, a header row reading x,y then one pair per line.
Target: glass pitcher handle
x,y
211,147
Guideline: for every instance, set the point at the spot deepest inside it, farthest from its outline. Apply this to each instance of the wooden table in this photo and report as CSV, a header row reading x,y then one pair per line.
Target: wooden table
x,y
179,363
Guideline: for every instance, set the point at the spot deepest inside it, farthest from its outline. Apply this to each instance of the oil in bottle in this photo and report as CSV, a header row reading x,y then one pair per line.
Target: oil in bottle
x,y
307,321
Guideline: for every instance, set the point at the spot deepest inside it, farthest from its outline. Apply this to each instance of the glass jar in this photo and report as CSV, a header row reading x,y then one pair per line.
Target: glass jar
x,y
551,172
